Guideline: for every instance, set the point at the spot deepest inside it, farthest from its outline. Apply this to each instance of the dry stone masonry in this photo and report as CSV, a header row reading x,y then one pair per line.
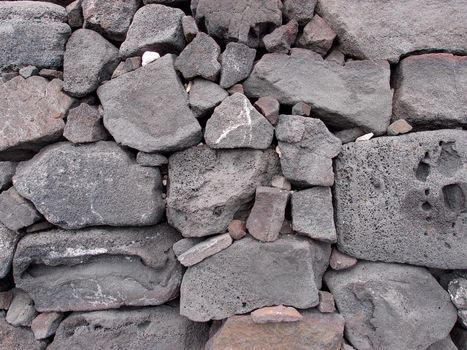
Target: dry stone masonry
x,y
233,175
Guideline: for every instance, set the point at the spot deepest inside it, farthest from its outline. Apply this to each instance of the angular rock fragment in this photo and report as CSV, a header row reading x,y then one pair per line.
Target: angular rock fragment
x,y
268,213
36,119
15,211
5,299
233,281
151,159
430,91
326,302
235,123
32,33
399,126
154,28
94,269
299,10
313,214
302,109
349,135
444,344
199,58
341,261
147,109
458,291
75,14
281,182
243,21
21,311
237,229
281,38
205,96
315,331
14,338
129,65
138,329
336,56
307,148
45,324
109,18
236,88
355,95
275,314
392,30
207,190
84,124
237,62
185,244
8,240
317,36
51,73
76,186
205,249
7,170
190,28
462,318
415,199
269,107
375,299
28,71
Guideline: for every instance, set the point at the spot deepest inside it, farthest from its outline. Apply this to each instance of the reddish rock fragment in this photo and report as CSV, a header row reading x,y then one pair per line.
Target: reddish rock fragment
x,y
317,36
301,108
281,38
237,229
326,302
276,314
400,126
341,261
269,107
45,324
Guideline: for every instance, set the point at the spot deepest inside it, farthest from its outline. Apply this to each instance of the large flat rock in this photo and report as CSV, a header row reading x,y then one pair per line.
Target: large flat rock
x,y
395,28
251,274
355,95
76,186
95,269
403,199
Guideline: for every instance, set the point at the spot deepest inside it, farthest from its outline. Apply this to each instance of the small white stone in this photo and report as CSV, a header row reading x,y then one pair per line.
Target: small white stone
x,y
149,56
188,86
365,137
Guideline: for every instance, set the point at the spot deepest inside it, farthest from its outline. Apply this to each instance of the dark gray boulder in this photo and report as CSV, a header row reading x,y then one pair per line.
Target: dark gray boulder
x,y
236,280
76,186
8,240
415,191
147,109
15,211
237,61
89,60
391,306
7,170
207,187
84,124
98,268
355,95
205,95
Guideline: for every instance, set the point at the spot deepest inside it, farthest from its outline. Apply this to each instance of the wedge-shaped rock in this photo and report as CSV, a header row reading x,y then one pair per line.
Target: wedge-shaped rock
x,y
391,306
147,109
403,199
431,91
159,328
394,28
8,240
7,170
205,249
15,211
355,95
14,338
39,106
251,274
95,269
208,186
76,186
32,33
235,123
205,96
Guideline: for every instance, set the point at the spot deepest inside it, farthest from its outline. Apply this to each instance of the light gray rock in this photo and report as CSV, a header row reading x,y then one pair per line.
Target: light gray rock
x,y
98,268
147,109
414,209
313,214
75,14
376,298
400,126
8,240
281,38
317,36
84,124
458,291
430,91
14,338
32,33
190,28
205,96
355,95
154,28
160,328
45,324
21,311
207,187
299,10
151,159
395,28
15,211
443,344
243,21
307,148
337,57
7,170
237,61
235,123
185,244
28,71
233,281
199,58
76,186
205,249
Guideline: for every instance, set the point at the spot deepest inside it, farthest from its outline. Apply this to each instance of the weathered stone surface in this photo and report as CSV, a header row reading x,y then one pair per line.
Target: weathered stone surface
x,y
190,28
300,10
236,88
84,124
315,331
89,59
21,311
349,135
159,328
458,291
444,344
5,299
205,249
281,182
39,226
51,73
7,170
307,148
15,211
32,33
98,268
208,186
268,213
8,240
392,30
302,109
154,28
36,119
317,36
185,244
235,123
399,126
376,298
76,186
237,62
14,338
459,337
151,159
269,107
244,21
275,314
336,56
281,38
430,91
326,302
313,214
233,281
110,18
147,109
28,71
462,318
129,65
357,94
205,96
75,14
45,324
237,229
341,261
414,209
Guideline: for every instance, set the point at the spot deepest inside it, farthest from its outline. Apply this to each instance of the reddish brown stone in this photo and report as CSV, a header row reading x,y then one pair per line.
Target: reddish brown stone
x,y
326,302
302,109
51,74
317,36
281,38
5,299
45,324
269,107
399,127
341,261
274,314
237,229
236,88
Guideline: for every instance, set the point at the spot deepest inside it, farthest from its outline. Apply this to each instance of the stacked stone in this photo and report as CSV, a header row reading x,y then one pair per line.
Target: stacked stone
x,y
244,174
